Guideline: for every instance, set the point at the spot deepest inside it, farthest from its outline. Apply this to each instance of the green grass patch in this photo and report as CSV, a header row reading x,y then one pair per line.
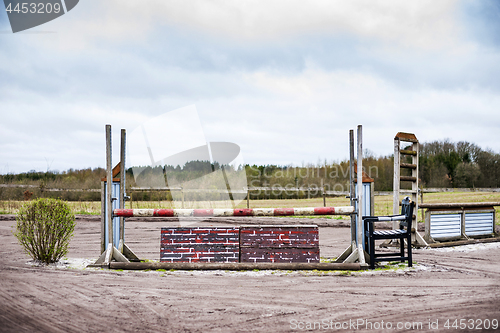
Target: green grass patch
x,y
327,260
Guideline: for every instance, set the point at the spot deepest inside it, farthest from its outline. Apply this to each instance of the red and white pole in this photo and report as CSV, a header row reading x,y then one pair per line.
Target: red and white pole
x,y
343,210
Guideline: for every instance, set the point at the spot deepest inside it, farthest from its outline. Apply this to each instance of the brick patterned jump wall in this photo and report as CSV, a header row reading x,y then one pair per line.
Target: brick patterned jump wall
x,y
287,244
279,244
199,244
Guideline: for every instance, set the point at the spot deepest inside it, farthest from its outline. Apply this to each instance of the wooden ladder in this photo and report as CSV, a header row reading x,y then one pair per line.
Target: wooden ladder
x,y
413,152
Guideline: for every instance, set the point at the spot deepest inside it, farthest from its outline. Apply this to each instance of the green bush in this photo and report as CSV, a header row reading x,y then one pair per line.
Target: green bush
x,y
44,228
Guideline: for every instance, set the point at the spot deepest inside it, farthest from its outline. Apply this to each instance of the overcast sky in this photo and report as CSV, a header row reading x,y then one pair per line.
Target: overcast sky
x,y
285,80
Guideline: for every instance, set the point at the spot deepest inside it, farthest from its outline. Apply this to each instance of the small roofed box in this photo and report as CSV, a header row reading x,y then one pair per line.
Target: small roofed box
x,y
199,244
274,243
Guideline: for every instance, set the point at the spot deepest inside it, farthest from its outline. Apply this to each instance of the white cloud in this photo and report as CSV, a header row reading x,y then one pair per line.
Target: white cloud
x,y
416,24
285,80
421,24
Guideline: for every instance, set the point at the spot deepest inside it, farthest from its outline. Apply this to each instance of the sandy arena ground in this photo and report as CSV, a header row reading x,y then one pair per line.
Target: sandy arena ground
x,y
447,284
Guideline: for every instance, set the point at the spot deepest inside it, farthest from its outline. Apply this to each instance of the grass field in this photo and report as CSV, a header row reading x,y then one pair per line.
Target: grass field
x,y
383,204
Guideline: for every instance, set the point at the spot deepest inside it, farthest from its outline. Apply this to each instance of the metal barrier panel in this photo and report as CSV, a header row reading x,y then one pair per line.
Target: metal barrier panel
x,y
446,226
115,193
367,204
478,223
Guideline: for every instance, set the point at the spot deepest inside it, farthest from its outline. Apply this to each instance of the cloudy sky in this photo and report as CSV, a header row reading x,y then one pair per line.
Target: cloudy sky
x,y
285,80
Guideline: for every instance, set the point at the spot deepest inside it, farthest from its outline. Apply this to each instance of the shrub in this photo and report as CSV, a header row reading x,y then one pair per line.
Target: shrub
x,y
44,228
27,195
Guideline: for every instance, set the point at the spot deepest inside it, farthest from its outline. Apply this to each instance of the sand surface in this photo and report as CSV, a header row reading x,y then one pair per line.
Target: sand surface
x,y
446,284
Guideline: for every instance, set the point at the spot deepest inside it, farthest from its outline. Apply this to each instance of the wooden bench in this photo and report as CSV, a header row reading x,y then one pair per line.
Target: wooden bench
x,y
404,232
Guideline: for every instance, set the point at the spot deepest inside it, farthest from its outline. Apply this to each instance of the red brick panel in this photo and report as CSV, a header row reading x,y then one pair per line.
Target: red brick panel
x,y
249,254
199,244
279,237
279,244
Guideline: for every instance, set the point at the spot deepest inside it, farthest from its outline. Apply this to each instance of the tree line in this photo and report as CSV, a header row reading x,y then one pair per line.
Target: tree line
x,y
441,164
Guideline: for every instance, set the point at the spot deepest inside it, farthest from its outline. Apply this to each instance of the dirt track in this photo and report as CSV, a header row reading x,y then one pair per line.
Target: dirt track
x,y
445,285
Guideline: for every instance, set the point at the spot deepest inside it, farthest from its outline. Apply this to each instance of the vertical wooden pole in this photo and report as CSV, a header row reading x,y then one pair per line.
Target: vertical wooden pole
x,y
361,253
372,200
103,218
323,186
396,180
228,187
182,197
421,201
122,184
351,182
414,195
109,175
248,198
427,234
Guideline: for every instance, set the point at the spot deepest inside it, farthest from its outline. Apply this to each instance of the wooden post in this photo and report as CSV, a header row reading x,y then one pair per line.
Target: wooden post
x,y
361,253
103,218
414,195
228,187
182,197
122,187
323,186
427,235
351,182
372,199
248,198
422,201
396,184
110,251
109,175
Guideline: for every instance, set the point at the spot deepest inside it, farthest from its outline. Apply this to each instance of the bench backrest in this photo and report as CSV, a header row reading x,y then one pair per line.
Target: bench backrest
x,y
407,210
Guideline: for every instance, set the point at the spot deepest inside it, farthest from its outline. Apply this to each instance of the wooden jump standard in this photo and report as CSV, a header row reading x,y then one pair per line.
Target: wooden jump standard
x,y
122,254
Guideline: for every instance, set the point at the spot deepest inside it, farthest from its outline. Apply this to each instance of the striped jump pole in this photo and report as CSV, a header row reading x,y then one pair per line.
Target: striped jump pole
x,y
343,210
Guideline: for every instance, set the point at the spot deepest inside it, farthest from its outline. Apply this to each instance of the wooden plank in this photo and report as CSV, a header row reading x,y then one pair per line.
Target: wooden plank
x,y
103,218
235,266
408,152
109,184
129,254
408,178
396,180
118,256
465,242
408,165
407,137
361,258
459,205
108,255
122,184
352,190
